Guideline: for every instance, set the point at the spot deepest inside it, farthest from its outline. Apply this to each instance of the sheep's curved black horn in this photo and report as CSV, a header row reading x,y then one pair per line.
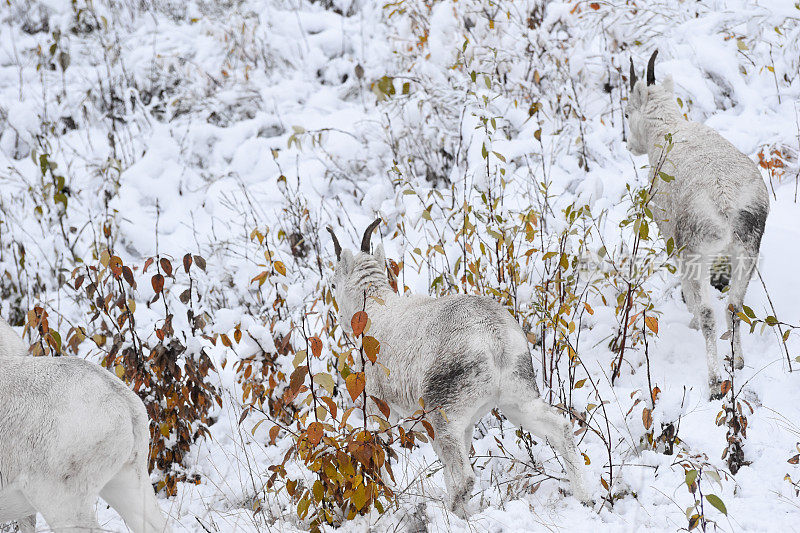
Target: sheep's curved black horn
x,y
368,234
336,246
651,69
633,75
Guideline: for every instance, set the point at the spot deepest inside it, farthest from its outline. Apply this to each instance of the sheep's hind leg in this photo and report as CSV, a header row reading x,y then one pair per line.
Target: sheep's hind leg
x,y
697,288
448,443
129,492
543,420
743,264
27,524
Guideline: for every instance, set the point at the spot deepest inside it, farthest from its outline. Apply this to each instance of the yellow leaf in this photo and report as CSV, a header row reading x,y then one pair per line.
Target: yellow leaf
x,y
299,357
105,257
318,491
119,370
652,323
325,381
359,497
371,347
279,268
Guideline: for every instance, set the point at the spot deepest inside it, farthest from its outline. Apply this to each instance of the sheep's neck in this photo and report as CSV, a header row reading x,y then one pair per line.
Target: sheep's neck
x,y
665,119
377,290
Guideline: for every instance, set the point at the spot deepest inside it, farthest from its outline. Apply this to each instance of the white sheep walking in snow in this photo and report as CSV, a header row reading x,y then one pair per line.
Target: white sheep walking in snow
x,y
463,354
715,208
70,432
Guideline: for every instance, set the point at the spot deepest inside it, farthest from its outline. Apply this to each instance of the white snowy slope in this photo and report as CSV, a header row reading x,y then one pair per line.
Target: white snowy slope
x,y
239,115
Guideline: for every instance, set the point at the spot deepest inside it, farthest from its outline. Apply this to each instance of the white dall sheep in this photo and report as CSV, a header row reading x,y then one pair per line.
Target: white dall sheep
x,y
70,431
715,209
462,354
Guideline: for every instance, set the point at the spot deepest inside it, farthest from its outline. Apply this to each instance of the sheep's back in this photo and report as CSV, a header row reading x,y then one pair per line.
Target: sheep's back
x,y
714,183
436,347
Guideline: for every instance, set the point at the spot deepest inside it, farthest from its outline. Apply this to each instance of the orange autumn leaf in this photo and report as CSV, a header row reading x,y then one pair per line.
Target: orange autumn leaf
x,y
355,384
358,323
316,346
647,418
158,283
314,433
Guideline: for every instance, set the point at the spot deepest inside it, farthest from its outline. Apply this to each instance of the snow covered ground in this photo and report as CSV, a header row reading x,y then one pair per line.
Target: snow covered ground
x,y
190,124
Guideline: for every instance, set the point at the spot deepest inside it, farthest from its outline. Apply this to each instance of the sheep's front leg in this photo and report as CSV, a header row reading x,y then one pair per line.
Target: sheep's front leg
x,y
696,288
14,506
65,512
448,443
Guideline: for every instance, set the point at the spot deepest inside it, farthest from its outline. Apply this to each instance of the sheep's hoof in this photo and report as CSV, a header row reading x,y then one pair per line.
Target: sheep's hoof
x,y
738,362
715,390
460,511
458,505
585,499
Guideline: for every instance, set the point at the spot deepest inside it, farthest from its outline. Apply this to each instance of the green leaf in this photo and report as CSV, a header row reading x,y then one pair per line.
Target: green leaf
x,y
691,476
386,85
644,230
749,312
714,500
666,177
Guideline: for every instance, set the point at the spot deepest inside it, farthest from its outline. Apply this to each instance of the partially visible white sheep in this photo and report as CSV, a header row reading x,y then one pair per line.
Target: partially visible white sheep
x,y
462,354
715,208
10,342
70,431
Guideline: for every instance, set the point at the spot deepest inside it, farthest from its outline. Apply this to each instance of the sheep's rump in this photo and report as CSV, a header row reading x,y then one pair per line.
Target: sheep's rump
x,y
86,419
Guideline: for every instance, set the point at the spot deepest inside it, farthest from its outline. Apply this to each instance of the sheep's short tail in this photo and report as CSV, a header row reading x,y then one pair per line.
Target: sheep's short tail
x,y
721,273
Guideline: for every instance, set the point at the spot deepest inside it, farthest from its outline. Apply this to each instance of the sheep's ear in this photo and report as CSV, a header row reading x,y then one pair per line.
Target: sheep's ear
x,y
639,95
346,261
378,254
668,84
